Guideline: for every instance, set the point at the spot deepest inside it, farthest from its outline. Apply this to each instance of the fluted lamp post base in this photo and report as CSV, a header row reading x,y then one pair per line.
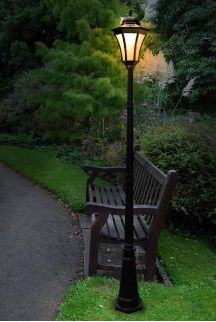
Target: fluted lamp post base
x,y
128,300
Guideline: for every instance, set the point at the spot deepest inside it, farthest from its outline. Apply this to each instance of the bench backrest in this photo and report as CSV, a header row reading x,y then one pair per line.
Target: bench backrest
x,y
152,187
149,182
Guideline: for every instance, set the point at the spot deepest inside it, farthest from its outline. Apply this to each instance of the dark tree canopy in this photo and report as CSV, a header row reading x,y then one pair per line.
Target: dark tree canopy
x,y
22,23
189,29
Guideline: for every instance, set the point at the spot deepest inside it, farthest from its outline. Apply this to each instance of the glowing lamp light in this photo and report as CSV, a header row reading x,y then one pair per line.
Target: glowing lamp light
x,y
130,36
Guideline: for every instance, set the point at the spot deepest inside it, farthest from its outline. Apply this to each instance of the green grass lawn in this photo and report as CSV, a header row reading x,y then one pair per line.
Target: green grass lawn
x,y
190,263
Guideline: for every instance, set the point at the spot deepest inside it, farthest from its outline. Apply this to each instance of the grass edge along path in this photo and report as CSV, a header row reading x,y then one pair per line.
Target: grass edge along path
x,y
190,263
65,180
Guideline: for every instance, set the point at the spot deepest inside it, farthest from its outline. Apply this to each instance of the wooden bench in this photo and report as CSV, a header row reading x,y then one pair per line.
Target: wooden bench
x,y
105,208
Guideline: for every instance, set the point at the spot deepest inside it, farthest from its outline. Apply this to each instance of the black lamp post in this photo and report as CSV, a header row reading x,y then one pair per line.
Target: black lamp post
x,y
130,36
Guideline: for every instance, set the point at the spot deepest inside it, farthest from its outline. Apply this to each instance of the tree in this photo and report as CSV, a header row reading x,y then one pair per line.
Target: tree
x,y
82,75
188,29
22,23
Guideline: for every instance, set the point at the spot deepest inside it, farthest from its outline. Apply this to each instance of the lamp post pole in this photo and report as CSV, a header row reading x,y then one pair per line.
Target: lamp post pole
x,y
128,299
130,36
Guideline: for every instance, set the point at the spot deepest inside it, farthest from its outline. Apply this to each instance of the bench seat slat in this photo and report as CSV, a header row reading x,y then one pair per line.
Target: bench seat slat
x,y
119,223
138,230
122,193
112,228
115,228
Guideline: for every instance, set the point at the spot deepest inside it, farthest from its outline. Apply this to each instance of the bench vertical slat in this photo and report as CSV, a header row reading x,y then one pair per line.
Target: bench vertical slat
x,y
110,197
98,194
143,192
104,196
143,179
151,193
147,189
139,182
148,192
156,194
117,196
137,172
91,193
122,193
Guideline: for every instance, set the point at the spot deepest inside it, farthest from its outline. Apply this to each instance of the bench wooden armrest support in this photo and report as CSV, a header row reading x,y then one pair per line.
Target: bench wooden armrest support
x,y
94,170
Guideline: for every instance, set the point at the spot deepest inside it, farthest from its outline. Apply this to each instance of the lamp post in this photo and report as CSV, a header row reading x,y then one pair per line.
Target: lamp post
x,y
130,36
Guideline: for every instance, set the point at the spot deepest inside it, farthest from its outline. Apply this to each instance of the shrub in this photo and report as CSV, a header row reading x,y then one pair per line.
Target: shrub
x,y
19,140
190,148
115,154
18,108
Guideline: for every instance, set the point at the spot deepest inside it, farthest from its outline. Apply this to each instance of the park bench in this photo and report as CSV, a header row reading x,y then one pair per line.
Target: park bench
x,y
105,212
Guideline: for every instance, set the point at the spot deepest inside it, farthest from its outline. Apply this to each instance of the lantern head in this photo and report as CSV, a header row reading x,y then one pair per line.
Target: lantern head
x,y
130,36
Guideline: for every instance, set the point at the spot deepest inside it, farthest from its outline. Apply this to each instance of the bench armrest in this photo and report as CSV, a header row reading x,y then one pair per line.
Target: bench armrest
x,y
93,207
95,169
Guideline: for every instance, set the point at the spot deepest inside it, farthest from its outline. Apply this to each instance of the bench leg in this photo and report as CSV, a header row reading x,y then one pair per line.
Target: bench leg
x,y
96,227
150,263
93,254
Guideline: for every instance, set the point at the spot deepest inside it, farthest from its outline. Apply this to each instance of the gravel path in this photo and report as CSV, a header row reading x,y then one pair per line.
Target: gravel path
x,y
39,251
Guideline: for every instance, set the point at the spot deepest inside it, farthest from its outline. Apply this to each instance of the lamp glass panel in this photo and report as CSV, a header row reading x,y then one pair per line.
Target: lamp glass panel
x,y
130,40
139,44
121,44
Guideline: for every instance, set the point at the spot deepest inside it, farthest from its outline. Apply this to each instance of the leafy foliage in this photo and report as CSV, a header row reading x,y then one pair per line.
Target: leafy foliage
x,y
190,149
137,6
188,28
78,16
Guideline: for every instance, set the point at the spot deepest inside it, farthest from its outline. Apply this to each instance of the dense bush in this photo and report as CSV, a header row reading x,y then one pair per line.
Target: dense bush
x,y
189,148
